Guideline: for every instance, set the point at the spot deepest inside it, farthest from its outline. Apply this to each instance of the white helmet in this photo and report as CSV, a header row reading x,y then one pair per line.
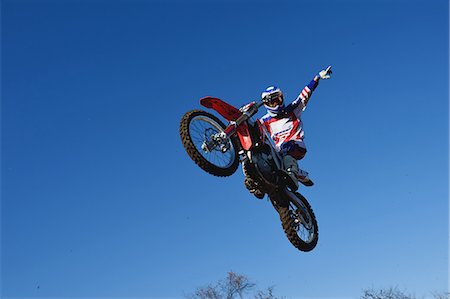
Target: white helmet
x,y
273,100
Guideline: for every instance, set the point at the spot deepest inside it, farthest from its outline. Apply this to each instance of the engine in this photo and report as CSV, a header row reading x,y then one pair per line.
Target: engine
x,y
261,166
265,164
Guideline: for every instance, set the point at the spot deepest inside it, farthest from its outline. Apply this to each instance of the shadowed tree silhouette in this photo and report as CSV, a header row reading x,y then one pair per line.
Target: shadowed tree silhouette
x,y
390,293
236,286
395,293
441,295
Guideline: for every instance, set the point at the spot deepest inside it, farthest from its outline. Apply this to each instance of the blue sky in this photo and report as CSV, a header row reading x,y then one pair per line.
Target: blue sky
x,y
99,198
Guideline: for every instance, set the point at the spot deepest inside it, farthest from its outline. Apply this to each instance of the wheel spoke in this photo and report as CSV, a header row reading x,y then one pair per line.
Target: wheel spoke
x,y
201,129
305,230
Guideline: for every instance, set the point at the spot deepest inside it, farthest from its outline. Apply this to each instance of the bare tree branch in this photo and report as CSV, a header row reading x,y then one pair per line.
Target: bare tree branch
x,y
266,294
232,286
390,293
236,284
441,295
208,292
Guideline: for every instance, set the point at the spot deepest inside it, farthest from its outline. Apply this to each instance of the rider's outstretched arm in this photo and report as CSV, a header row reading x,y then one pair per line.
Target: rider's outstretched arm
x,y
303,98
308,90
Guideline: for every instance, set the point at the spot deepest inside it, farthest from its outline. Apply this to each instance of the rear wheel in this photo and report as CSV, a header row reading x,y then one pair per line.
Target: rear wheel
x,y
199,134
299,223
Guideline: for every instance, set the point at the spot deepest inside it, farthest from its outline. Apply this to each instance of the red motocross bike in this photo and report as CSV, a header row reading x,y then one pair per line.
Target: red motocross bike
x,y
218,150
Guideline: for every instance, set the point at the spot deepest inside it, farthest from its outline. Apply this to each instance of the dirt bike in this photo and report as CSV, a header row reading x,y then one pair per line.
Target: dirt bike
x,y
219,149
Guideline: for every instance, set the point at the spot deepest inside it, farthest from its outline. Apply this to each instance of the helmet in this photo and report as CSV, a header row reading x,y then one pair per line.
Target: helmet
x,y
273,100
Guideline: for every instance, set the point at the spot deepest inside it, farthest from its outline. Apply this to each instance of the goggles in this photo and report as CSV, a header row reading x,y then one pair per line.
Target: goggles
x,y
274,100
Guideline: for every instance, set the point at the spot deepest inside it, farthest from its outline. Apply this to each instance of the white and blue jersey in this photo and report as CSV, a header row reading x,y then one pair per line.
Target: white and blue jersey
x,y
287,125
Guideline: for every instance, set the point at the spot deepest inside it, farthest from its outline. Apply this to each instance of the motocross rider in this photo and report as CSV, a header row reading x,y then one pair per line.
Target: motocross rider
x,y
285,126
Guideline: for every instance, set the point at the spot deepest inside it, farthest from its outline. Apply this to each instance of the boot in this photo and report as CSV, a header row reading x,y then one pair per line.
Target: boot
x,y
291,166
303,177
252,187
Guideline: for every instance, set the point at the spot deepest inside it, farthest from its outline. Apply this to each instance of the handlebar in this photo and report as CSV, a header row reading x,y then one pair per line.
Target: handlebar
x,y
249,110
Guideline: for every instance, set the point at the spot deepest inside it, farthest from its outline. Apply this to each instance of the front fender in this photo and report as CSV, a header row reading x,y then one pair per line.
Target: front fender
x,y
230,113
226,110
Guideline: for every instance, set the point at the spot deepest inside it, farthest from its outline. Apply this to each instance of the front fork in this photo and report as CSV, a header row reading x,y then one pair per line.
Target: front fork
x,y
217,140
220,139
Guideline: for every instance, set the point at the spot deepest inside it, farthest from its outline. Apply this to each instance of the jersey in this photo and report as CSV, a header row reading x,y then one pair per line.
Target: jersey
x,y
288,125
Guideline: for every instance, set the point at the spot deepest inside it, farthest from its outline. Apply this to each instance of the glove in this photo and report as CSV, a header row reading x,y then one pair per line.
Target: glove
x,y
325,74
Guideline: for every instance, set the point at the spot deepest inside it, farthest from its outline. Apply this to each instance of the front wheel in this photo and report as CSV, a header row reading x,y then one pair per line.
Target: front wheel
x,y
199,134
299,223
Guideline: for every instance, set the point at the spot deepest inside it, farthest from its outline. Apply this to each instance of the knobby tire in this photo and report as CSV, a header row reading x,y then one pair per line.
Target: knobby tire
x,y
288,224
194,153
